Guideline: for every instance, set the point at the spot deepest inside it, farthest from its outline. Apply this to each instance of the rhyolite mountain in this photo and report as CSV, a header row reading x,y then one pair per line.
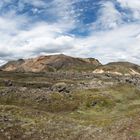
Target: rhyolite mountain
x,y
51,63
119,68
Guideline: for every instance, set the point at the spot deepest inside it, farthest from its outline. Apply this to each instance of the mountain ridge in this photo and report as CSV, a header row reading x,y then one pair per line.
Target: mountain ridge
x,y
61,62
119,68
51,63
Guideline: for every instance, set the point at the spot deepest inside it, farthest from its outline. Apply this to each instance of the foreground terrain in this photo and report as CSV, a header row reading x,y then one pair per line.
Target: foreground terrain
x,y
69,106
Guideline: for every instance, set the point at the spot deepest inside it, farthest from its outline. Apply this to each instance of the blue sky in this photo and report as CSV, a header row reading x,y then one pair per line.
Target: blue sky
x,y
108,30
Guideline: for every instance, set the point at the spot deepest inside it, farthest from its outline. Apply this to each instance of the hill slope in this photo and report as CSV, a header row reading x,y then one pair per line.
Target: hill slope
x,y
52,63
119,68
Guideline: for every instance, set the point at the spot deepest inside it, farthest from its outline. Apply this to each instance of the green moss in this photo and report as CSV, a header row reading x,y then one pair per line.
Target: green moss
x,y
136,133
73,111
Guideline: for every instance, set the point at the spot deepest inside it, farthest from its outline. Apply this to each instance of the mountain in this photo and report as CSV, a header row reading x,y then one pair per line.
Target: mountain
x,y
52,63
119,68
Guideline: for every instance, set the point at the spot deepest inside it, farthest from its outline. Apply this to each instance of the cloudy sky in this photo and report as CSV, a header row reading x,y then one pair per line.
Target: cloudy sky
x,y
108,30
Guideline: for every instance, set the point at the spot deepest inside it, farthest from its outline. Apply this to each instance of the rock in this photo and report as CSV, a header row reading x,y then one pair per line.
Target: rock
x,y
60,87
8,83
94,103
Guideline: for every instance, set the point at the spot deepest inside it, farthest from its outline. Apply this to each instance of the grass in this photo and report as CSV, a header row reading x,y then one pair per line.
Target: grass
x,y
69,116
136,133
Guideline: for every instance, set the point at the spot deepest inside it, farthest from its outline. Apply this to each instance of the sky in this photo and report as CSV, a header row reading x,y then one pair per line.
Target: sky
x,y
108,30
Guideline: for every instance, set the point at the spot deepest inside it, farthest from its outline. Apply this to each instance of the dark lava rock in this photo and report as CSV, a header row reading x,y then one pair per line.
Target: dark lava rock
x,y
8,83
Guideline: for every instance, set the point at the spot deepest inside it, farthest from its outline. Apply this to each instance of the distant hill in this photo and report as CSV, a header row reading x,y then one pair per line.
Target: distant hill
x,y
52,63
119,68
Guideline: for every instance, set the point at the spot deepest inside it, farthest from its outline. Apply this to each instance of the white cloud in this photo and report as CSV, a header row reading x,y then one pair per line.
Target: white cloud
x,y
40,38
118,44
108,17
119,40
133,6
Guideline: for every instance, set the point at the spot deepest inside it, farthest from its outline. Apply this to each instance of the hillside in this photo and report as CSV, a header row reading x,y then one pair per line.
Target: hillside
x,y
119,68
52,63
69,106
63,63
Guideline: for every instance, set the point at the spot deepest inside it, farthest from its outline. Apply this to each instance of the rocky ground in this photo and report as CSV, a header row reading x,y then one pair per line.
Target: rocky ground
x,y
69,106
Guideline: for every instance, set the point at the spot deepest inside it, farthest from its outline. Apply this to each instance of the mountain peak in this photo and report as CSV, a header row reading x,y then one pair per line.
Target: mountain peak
x,y
58,62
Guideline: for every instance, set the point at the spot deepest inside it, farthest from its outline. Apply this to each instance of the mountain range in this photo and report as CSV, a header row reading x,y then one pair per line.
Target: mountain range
x,y
59,63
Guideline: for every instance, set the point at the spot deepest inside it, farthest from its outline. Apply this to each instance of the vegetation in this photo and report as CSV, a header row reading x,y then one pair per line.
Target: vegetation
x,y
29,111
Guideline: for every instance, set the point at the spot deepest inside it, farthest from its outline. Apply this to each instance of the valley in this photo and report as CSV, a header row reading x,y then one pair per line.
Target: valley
x,y
72,106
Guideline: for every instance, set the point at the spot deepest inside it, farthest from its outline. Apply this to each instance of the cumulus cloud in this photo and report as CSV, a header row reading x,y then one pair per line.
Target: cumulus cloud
x,y
40,39
119,44
110,37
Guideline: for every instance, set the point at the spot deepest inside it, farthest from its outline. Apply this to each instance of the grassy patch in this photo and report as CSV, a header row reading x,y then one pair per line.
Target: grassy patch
x,y
59,115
